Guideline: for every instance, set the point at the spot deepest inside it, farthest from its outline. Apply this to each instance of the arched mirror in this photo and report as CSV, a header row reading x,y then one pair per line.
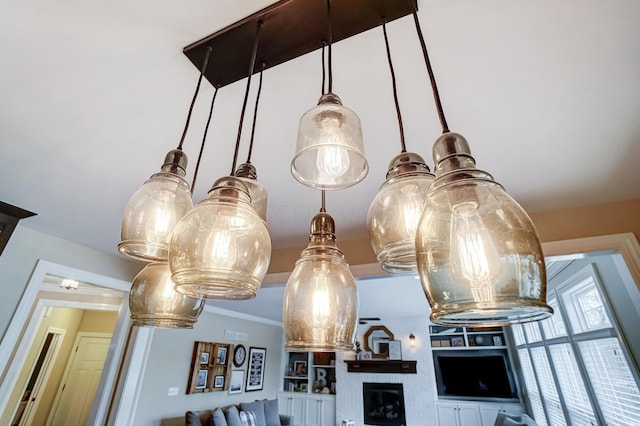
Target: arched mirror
x,y
376,341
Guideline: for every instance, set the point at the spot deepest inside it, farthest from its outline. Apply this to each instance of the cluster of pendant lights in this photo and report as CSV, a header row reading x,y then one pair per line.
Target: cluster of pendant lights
x,y
475,249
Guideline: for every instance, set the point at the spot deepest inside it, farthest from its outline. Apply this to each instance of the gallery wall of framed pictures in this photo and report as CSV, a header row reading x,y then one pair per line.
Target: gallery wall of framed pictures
x,y
210,367
223,366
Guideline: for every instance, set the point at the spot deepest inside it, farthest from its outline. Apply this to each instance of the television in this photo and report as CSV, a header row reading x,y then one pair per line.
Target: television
x,y
474,374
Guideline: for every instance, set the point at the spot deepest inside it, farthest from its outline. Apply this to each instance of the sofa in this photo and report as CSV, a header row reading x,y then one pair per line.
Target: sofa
x,y
506,419
257,413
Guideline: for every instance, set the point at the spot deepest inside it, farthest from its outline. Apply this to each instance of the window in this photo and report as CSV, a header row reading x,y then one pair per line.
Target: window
x,y
574,365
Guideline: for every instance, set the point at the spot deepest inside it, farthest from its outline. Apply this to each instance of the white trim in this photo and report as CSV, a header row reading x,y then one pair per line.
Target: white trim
x,y
43,376
239,315
135,364
626,244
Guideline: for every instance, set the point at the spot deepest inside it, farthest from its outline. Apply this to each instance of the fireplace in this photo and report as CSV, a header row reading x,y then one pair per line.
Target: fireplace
x,y
383,404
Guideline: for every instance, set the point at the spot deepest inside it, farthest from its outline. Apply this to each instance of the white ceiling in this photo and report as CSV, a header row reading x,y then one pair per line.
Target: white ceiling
x,y
93,94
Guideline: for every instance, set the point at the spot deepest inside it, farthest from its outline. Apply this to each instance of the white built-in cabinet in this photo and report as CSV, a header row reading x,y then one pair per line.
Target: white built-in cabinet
x,y
308,409
453,413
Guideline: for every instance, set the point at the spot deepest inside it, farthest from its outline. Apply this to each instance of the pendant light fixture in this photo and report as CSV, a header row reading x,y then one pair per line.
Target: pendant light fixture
x,y
394,214
153,302
160,203
221,249
479,257
329,148
320,309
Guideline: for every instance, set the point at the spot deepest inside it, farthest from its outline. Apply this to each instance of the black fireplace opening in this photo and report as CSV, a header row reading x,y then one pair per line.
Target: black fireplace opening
x,y
383,404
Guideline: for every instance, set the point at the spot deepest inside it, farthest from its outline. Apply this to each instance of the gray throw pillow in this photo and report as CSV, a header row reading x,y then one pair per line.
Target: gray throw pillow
x,y
218,418
233,416
258,408
271,412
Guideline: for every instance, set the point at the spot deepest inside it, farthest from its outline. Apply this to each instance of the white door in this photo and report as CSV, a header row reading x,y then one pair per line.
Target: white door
x,y
328,412
80,381
468,415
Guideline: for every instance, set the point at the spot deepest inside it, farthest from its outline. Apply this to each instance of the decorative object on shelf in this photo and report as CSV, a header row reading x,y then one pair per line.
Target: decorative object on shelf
x,y
255,373
394,214
395,350
457,341
412,340
239,355
376,341
236,382
300,368
153,301
207,373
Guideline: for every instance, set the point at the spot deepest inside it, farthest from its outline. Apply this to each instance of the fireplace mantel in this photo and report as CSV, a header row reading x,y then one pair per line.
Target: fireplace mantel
x,y
408,367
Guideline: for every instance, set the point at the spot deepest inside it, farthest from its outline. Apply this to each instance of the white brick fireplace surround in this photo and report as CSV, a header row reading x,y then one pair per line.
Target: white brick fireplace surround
x,y
419,389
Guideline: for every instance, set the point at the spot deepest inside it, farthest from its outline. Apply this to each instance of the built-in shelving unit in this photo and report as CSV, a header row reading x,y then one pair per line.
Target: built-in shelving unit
x,y
457,338
310,372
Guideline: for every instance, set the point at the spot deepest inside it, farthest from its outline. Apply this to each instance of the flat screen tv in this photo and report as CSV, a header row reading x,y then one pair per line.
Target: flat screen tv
x,y
474,374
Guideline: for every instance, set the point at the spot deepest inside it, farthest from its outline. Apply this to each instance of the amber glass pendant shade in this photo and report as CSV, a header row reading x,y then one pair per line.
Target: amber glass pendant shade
x,y
221,249
154,210
395,212
153,302
329,149
479,258
320,308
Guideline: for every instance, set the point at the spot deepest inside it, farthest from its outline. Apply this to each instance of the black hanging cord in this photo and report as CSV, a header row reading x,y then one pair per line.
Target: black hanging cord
x,y
324,69
329,42
432,78
395,89
255,114
252,63
195,95
204,138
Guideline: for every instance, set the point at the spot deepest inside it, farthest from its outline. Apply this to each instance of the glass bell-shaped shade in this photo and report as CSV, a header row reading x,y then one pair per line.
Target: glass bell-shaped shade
x,y
221,249
259,196
154,210
153,302
395,212
329,148
320,309
479,258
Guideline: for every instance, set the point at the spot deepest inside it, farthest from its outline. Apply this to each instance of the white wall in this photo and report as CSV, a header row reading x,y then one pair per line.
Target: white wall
x,y
419,389
169,362
26,246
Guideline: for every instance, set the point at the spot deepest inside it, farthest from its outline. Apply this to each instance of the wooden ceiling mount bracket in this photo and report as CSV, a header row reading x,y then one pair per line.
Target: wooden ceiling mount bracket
x,y
291,28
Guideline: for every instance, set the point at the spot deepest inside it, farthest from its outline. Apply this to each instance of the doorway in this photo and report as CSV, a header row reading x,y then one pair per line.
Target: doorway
x,y
126,354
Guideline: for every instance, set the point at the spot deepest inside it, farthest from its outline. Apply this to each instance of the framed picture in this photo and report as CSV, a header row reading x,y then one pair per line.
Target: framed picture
x,y
366,355
303,387
201,382
255,373
457,341
497,341
300,368
221,356
236,382
395,350
204,358
218,382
